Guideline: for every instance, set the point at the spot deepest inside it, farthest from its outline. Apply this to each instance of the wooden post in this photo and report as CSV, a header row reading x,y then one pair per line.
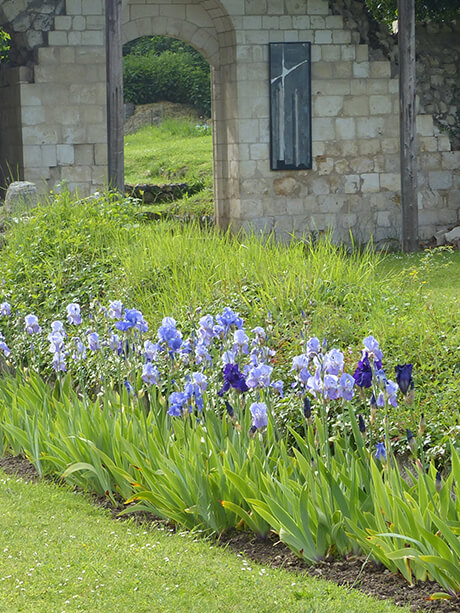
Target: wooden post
x,y
406,43
115,136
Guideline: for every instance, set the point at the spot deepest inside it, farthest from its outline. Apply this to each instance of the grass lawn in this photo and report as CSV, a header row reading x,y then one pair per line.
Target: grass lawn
x,y
60,553
176,151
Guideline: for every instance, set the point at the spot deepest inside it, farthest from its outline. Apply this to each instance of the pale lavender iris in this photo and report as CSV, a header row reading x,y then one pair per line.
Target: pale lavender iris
x,y
151,351
56,340
259,415
313,346
202,354
391,389
240,341
5,309
80,351
200,380
259,376
32,326
4,347
260,335
373,349
58,326
333,362
299,362
73,313
229,318
150,374
116,309
93,341
132,319
59,362
331,387
177,404
314,383
169,334
278,386
346,386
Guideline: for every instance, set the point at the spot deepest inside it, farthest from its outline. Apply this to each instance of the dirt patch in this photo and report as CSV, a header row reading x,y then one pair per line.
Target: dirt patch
x,y
354,571
154,113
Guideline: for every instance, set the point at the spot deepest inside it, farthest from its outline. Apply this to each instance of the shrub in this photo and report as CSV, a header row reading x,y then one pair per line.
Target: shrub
x,y
176,73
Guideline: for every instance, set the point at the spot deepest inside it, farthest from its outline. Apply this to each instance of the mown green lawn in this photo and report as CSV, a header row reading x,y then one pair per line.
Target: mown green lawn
x,y
60,553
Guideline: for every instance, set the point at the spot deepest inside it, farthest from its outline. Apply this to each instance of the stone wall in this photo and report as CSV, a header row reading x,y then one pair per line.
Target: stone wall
x,y
354,183
438,61
28,22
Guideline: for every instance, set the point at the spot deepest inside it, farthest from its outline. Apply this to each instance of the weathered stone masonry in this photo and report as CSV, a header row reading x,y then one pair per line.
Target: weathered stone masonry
x,y
53,111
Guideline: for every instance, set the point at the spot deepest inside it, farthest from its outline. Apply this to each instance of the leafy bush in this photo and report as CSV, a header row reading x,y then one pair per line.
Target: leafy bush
x,y
425,10
173,71
4,45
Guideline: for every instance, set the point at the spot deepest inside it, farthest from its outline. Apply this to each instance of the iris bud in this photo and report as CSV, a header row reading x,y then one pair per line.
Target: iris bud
x,y
361,424
306,407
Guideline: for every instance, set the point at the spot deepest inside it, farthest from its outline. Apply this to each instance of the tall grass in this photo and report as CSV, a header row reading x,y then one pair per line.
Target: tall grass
x,y
101,249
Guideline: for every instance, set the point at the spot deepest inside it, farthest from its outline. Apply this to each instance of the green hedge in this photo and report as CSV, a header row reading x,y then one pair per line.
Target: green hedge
x,y
155,70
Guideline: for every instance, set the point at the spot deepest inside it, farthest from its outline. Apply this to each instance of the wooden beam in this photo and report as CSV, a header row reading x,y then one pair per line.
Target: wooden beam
x,y
115,136
409,205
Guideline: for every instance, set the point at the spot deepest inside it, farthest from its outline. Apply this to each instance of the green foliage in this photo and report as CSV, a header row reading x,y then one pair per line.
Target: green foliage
x,y
155,69
211,474
64,249
5,39
425,10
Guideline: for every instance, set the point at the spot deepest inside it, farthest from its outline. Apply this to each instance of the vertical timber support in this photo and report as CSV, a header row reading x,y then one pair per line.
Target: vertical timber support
x,y
407,108
115,140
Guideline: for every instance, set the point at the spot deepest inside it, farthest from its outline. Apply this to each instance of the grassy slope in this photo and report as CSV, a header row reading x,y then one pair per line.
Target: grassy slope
x,y
174,152
59,553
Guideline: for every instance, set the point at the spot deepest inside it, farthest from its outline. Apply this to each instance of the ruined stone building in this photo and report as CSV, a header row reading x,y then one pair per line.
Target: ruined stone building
x,y
319,151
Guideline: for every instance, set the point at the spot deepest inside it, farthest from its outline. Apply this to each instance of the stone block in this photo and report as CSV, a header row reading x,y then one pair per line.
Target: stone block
x,y
342,70
322,130
65,154
425,125
63,22
341,37
379,86
370,182
334,22
361,70
321,70
73,7
450,160
319,186
77,174
57,38
32,115
92,38
390,181
92,7
380,70
49,155
79,23
317,7
275,7
331,53
352,184
323,37
370,127
362,53
345,128
20,196
380,105
440,179
84,155
328,106
356,106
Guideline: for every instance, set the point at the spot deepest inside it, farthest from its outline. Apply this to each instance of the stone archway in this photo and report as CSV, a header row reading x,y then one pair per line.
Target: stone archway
x,y
206,26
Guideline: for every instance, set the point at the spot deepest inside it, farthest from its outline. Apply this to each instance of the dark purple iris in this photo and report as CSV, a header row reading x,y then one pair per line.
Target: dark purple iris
x,y
233,378
363,373
404,377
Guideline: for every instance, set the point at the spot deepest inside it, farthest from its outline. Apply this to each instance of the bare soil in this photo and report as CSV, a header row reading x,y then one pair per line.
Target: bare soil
x,y
354,571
